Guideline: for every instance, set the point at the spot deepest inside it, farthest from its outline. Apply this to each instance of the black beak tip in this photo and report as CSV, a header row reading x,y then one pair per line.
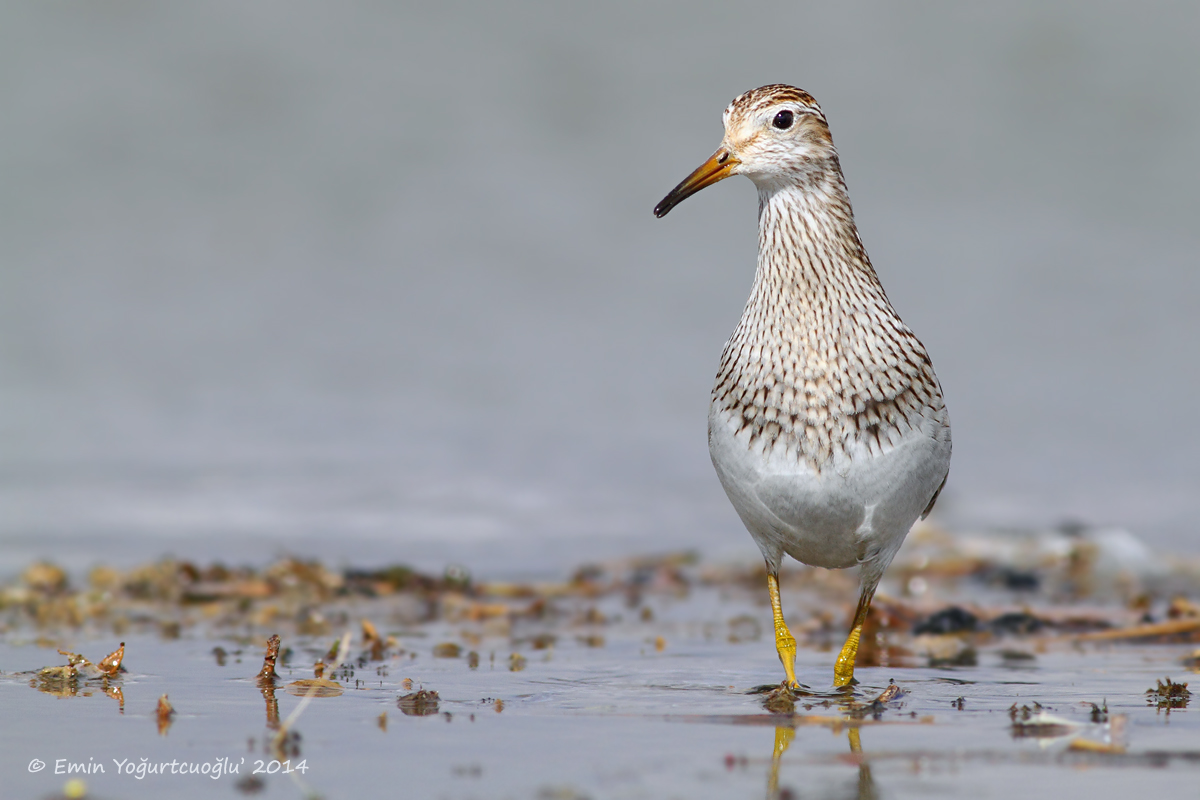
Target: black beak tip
x,y
663,207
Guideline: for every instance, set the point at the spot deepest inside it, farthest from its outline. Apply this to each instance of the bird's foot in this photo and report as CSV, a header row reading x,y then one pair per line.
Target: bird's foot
x,y
843,670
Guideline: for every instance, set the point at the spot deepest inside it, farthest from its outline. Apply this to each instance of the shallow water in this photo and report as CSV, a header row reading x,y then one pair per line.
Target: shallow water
x,y
622,720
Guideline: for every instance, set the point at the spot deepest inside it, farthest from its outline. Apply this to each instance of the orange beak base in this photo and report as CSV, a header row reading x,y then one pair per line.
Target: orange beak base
x,y
718,167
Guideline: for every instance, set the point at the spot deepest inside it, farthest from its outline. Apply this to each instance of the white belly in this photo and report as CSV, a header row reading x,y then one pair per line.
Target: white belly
x,y
856,509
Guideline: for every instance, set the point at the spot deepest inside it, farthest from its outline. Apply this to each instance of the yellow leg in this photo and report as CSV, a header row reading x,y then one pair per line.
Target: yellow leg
x,y
843,671
785,643
783,738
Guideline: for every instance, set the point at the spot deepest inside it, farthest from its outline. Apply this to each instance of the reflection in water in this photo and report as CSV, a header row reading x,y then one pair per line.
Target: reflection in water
x,y
268,693
784,734
266,680
164,713
866,783
783,739
56,685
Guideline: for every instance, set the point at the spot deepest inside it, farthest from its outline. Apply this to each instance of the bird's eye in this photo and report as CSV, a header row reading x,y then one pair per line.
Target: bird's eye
x,y
783,120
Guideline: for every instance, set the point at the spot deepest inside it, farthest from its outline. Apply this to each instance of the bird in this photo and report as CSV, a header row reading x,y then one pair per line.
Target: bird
x,y
827,426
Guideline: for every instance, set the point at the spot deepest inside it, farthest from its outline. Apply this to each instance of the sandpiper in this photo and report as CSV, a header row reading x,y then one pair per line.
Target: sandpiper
x,y
827,426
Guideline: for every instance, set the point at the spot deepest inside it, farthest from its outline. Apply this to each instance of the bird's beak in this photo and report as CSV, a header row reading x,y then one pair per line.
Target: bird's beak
x,y
718,167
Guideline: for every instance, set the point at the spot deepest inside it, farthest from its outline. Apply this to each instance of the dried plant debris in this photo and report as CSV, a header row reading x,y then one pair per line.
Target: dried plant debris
x,y
251,784
376,646
892,692
1168,695
108,667
542,641
163,714
1038,723
888,698
1072,562
1103,736
1111,733
315,687
421,703
1092,746
78,667
45,577
447,650
931,613
170,597
1014,657
1181,608
267,674
780,700
1024,712
318,685
1016,623
1177,630
81,677
949,620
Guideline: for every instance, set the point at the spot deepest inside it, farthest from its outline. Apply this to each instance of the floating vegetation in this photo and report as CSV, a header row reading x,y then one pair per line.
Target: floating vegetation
x,y
1168,695
267,674
164,712
780,700
81,678
423,703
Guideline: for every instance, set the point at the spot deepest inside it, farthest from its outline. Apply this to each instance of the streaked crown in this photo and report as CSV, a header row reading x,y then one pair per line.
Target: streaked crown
x,y
750,104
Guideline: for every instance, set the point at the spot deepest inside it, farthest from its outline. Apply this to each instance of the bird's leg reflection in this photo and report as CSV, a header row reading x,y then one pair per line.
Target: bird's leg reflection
x,y
866,783
784,734
783,739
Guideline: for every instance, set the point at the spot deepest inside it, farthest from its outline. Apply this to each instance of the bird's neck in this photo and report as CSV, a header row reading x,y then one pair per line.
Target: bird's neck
x,y
811,262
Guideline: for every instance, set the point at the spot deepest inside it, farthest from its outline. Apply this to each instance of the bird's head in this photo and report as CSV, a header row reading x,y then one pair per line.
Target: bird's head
x,y
773,135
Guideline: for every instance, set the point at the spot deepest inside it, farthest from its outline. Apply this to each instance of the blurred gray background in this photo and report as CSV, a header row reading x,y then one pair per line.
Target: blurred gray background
x,y
377,281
